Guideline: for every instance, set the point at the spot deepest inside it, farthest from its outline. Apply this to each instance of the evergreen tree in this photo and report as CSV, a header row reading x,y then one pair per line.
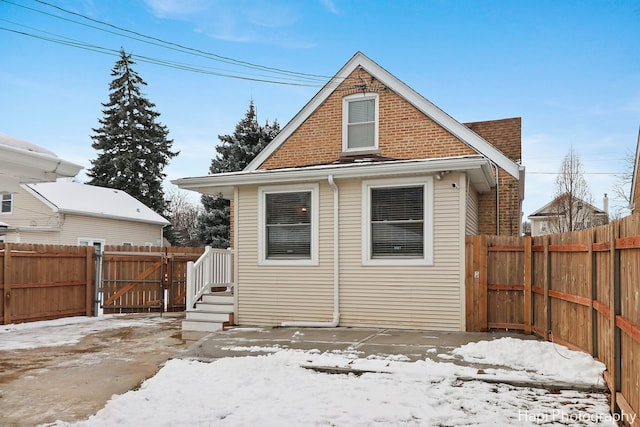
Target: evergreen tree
x,y
234,153
133,147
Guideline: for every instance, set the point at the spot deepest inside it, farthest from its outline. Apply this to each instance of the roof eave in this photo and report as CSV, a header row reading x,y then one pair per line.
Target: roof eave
x,y
478,168
117,217
32,166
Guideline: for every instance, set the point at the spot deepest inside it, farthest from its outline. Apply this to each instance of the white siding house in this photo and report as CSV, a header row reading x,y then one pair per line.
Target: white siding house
x,y
69,213
356,213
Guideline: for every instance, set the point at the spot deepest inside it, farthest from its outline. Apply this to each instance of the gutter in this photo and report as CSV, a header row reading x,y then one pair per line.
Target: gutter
x,y
41,162
224,182
336,268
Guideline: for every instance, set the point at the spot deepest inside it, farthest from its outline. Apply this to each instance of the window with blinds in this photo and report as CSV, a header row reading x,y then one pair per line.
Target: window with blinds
x,y
397,222
360,122
288,225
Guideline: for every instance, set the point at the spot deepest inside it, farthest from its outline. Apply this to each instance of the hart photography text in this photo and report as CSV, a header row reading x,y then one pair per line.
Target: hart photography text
x,y
573,417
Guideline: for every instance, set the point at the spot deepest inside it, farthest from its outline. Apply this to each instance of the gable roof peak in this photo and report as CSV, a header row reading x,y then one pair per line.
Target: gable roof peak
x,y
359,59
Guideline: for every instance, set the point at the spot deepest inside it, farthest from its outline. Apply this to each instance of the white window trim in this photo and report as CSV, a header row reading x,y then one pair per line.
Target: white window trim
x,y
427,183
345,121
315,220
11,201
88,241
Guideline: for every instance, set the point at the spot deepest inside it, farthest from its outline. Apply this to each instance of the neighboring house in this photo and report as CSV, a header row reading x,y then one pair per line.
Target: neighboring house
x,y
565,213
69,213
635,182
356,213
23,162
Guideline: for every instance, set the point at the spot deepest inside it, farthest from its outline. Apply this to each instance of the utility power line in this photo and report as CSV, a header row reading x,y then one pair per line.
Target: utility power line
x,y
273,76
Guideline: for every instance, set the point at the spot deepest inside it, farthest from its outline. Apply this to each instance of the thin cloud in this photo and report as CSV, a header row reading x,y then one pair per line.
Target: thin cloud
x,y
176,8
330,6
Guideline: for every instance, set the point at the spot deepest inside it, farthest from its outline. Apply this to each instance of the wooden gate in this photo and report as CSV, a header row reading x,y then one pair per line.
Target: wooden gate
x,y
144,279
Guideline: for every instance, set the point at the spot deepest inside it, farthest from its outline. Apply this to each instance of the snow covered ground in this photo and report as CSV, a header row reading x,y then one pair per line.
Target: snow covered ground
x,y
278,389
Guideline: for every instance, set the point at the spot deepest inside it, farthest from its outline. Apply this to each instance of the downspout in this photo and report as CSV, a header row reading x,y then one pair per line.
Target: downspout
x,y
336,269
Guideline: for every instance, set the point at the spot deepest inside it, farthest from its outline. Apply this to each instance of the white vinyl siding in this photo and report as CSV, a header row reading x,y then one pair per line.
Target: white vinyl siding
x,y
418,297
360,122
274,292
38,223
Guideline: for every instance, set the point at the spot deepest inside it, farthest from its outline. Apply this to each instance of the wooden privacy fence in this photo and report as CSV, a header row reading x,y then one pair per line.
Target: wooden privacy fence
x,y
580,289
145,278
40,282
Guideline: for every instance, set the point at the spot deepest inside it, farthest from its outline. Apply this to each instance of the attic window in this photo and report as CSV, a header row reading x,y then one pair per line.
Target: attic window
x,y
360,122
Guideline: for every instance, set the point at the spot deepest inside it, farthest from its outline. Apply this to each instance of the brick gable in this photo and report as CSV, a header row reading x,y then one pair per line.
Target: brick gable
x,y
404,131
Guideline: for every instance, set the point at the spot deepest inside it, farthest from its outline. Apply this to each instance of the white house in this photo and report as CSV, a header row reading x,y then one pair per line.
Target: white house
x,y
69,213
24,162
356,213
562,214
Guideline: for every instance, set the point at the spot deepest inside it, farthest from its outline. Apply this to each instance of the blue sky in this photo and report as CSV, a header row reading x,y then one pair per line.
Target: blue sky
x,y
570,69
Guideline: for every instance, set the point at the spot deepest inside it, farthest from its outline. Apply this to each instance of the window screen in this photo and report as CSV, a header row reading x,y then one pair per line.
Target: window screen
x,y
288,225
397,222
361,126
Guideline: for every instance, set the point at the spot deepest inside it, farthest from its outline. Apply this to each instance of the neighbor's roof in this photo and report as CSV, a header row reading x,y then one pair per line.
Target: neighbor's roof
x,y
462,132
28,162
547,210
83,199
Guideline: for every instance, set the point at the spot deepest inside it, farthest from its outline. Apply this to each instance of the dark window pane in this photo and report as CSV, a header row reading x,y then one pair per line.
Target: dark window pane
x,y
397,222
400,203
397,240
288,225
289,208
289,241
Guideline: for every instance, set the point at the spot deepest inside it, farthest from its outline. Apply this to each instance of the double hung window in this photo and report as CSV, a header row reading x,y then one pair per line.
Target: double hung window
x,y
360,122
397,226
288,229
6,203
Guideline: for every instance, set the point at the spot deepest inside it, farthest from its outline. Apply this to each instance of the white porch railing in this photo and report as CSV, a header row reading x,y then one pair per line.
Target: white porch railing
x,y
214,268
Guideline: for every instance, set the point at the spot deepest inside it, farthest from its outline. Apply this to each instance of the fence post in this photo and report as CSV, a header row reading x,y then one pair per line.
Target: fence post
x,y
528,267
88,276
481,259
190,292
593,269
547,284
614,294
7,283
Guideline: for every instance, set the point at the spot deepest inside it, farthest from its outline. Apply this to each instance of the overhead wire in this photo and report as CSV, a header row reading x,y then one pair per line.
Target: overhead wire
x,y
181,47
276,76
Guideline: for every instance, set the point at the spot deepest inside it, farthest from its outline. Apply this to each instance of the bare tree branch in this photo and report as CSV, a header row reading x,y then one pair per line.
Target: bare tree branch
x,y
572,207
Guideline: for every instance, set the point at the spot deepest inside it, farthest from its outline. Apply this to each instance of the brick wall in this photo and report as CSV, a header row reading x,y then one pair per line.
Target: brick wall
x,y
504,134
405,133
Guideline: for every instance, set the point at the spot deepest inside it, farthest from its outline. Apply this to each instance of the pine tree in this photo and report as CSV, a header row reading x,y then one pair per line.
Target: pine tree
x,y
234,153
133,147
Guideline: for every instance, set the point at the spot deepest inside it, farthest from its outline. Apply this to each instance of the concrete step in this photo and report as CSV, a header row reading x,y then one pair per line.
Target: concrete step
x,y
209,316
218,298
214,306
201,326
